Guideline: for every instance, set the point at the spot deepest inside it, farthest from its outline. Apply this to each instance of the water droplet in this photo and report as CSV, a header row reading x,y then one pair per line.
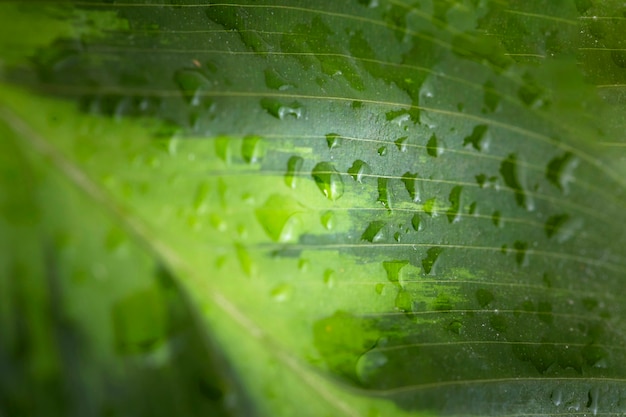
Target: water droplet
x,y
329,278
498,323
560,171
245,260
369,365
416,222
456,326
328,220
432,255
515,178
454,212
359,170
222,148
479,139
393,270
491,96
432,147
275,81
303,265
217,222
379,288
401,143
294,165
281,292
252,149
484,297
374,232
194,85
472,208
382,151
430,207
333,140
404,301
413,185
277,217
398,117
619,58
328,180
282,111
520,252
496,218
384,195
200,200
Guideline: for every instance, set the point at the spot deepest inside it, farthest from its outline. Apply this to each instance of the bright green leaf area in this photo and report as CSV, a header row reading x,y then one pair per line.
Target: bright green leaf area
x,y
313,208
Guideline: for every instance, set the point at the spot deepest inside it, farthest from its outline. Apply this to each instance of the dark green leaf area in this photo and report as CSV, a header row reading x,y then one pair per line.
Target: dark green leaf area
x,y
438,341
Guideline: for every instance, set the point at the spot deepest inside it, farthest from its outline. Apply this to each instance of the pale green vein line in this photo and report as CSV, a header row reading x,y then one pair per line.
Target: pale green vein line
x,y
542,16
475,311
602,49
444,384
528,252
492,342
479,119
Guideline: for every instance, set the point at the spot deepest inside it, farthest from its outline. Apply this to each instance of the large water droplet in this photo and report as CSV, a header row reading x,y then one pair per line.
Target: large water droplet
x,y
416,222
194,85
560,171
479,138
252,149
374,231
401,143
369,365
328,180
413,185
454,212
514,176
282,111
491,97
359,170
433,148
432,255
294,165
333,140
393,270
276,217
520,252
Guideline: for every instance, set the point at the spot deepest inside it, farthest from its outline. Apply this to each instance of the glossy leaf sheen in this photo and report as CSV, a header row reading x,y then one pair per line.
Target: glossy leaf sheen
x,y
376,207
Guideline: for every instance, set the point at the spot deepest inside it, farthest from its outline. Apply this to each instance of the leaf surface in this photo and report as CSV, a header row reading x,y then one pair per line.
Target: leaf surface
x,y
377,208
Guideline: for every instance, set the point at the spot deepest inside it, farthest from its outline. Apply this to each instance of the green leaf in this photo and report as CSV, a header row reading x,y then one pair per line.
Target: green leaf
x,y
360,208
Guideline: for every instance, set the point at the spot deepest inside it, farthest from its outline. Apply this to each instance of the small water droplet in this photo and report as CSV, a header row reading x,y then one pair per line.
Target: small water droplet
x,y
484,297
329,278
479,138
217,222
374,231
416,222
328,220
401,143
560,171
382,151
496,218
359,170
393,270
193,86
200,200
222,148
413,185
379,288
491,96
333,140
456,326
252,149
294,165
245,260
282,111
384,194
328,180
520,252
275,81
304,264
430,207
432,255
281,292
454,212
404,301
